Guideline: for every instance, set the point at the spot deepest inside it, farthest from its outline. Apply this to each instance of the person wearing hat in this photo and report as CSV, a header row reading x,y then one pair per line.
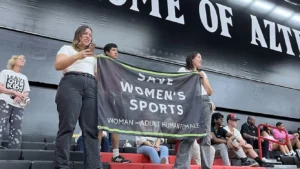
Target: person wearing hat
x,y
222,142
248,149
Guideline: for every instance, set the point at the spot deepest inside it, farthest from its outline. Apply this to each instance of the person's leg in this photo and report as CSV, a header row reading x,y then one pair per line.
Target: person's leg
x,y
212,153
80,144
88,122
164,153
205,144
68,101
196,155
100,139
295,143
183,155
15,132
223,153
265,148
241,154
254,156
105,145
251,152
290,146
279,147
206,161
115,144
5,113
286,149
109,139
150,152
116,155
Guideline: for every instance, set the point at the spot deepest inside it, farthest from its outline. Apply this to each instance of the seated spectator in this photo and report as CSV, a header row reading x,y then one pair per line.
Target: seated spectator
x,y
240,142
104,147
222,141
281,135
150,146
274,146
249,133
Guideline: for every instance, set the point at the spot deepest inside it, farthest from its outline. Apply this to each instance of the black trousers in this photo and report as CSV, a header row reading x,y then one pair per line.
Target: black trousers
x,y
264,146
76,99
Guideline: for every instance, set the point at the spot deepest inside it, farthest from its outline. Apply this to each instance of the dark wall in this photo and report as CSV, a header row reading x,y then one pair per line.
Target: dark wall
x,y
140,34
246,78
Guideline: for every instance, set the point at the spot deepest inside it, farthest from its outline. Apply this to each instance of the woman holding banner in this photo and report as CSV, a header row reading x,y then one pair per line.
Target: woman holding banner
x,y
76,99
183,156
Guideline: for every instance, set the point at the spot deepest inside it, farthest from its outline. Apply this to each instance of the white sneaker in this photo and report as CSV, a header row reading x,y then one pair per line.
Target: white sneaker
x,y
266,160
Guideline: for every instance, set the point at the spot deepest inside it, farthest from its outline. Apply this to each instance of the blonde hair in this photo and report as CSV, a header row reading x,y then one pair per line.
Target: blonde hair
x,y
76,41
12,61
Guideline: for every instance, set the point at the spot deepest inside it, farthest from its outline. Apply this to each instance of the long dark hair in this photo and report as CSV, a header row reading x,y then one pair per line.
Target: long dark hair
x,y
78,33
215,116
189,60
265,128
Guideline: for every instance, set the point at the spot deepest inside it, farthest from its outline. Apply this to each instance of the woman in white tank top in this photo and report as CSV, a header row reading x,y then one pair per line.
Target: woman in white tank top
x,y
274,146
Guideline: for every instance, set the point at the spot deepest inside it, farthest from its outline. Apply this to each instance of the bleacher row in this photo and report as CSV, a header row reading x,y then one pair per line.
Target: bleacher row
x,y
37,152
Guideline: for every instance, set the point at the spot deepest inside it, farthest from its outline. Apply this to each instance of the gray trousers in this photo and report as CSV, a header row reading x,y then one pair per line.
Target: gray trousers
x,y
223,150
183,156
76,100
14,116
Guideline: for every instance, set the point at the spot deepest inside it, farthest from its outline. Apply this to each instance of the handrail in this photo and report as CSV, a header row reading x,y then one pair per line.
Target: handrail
x,y
259,138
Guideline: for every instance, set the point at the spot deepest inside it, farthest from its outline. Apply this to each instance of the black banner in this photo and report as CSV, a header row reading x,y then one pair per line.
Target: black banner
x,y
142,102
256,40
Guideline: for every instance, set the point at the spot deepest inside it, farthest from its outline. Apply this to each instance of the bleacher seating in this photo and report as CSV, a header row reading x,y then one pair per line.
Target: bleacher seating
x,y
37,152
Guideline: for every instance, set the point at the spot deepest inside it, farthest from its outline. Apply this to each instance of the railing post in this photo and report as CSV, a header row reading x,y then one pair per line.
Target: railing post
x,y
272,141
259,142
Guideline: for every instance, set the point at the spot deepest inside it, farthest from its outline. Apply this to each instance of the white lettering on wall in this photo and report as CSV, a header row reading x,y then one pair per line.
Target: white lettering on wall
x,y
272,30
154,7
286,34
225,21
118,2
213,14
172,5
297,35
257,34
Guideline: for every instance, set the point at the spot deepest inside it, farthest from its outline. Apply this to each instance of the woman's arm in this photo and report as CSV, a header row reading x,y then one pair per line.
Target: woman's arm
x,y
6,91
142,141
63,60
157,142
205,83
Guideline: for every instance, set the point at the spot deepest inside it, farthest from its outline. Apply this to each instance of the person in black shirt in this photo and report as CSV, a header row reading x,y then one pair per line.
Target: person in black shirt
x,y
222,141
249,133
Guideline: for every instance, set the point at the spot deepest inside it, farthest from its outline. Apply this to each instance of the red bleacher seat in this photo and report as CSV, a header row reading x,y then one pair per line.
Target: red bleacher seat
x,y
172,159
158,166
140,161
126,166
218,161
134,158
218,167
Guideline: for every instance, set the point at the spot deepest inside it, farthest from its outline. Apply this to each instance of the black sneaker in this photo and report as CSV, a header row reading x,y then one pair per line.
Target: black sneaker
x,y
120,159
266,165
248,163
